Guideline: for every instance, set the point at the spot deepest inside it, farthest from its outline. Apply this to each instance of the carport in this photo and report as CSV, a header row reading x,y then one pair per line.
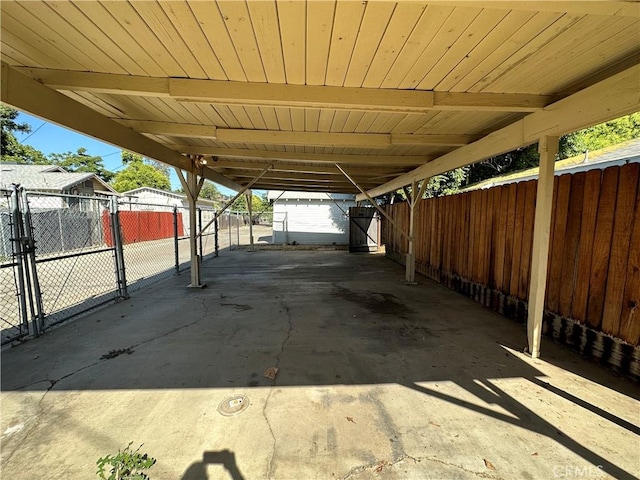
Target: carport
x,y
339,97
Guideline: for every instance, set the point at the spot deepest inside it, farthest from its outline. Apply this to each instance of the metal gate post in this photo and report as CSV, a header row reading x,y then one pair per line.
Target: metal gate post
x,y
16,240
238,227
229,227
119,250
175,239
200,230
30,254
215,236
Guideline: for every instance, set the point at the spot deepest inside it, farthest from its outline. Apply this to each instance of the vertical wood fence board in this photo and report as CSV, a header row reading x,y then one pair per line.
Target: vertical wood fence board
x,y
630,315
602,247
501,218
557,249
571,245
587,232
554,209
623,223
508,251
527,239
517,238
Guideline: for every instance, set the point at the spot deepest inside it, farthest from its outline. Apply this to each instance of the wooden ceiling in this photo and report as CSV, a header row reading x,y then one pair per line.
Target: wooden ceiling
x,y
379,87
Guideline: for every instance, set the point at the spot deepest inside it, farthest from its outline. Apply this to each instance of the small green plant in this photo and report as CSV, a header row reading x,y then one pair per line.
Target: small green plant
x,y
126,465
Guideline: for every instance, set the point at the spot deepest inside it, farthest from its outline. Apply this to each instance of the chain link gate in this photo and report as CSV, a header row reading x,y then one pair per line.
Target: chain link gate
x,y
61,255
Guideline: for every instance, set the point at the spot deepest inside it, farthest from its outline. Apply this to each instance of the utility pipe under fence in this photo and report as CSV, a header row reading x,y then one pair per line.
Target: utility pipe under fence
x,y
479,243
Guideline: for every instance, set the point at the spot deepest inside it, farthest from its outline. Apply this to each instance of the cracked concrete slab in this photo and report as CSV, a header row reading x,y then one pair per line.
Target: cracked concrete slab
x,y
375,380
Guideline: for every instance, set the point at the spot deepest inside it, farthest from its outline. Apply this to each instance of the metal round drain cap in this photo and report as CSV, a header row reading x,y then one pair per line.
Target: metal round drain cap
x,y
233,405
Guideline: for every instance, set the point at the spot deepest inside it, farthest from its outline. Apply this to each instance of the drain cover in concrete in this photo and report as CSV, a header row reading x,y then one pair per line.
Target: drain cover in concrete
x,y
233,405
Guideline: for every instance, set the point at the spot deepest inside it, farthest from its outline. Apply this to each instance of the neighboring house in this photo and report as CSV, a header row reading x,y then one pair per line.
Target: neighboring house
x,y
53,179
147,198
311,217
620,154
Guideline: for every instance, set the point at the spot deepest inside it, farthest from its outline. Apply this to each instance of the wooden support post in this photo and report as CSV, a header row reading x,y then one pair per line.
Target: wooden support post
x,y
249,205
410,260
192,185
548,148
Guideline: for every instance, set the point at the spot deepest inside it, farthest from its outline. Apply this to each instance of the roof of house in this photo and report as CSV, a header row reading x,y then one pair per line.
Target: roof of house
x,y
178,196
619,154
282,195
45,177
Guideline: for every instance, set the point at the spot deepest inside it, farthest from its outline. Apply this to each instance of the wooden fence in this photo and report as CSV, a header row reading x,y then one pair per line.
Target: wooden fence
x,y
480,243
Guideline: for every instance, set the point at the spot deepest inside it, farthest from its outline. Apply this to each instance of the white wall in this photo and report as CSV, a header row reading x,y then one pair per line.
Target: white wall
x,y
311,221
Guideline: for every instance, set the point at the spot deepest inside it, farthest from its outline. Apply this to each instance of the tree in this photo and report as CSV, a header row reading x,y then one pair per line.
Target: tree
x,y
210,192
82,162
12,150
600,136
139,174
240,205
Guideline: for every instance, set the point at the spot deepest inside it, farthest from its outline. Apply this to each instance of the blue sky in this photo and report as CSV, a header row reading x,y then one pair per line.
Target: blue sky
x,y
50,138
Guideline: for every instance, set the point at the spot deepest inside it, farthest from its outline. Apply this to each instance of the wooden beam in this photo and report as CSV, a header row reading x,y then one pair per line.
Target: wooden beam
x,y
612,98
30,96
548,148
381,160
279,137
316,177
278,166
284,95
170,128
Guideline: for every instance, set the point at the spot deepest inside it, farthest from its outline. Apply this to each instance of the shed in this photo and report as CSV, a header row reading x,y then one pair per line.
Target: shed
x,y
311,218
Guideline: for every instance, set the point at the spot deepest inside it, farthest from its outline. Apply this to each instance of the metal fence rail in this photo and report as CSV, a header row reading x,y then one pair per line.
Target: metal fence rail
x,y
61,255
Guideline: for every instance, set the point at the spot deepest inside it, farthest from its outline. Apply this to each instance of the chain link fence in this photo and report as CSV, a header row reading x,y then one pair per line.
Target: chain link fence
x,y
61,255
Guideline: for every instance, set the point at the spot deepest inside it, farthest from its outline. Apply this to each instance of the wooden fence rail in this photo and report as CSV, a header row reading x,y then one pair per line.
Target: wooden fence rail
x,y
481,241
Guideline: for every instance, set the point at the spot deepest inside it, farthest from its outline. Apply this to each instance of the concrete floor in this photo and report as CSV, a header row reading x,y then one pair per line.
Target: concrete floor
x,y
376,380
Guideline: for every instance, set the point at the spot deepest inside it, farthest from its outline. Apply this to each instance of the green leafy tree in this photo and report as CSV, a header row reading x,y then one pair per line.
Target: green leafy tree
x,y
600,136
80,161
139,174
210,192
240,205
12,150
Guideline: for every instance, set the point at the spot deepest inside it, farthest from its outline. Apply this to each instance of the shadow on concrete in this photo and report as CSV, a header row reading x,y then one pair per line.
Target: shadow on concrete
x,y
322,318
226,458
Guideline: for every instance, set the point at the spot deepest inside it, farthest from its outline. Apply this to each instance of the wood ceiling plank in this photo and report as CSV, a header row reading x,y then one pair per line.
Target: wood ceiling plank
x,y
620,37
365,122
476,32
339,119
18,57
449,33
528,46
292,18
255,115
270,118
238,22
284,118
374,23
311,119
90,101
402,23
569,42
511,22
126,41
181,16
264,19
326,118
166,33
65,36
297,119
422,35
227,115
352,121
34,46
129,20
319,20
346,26
241,115
505,51
215,31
